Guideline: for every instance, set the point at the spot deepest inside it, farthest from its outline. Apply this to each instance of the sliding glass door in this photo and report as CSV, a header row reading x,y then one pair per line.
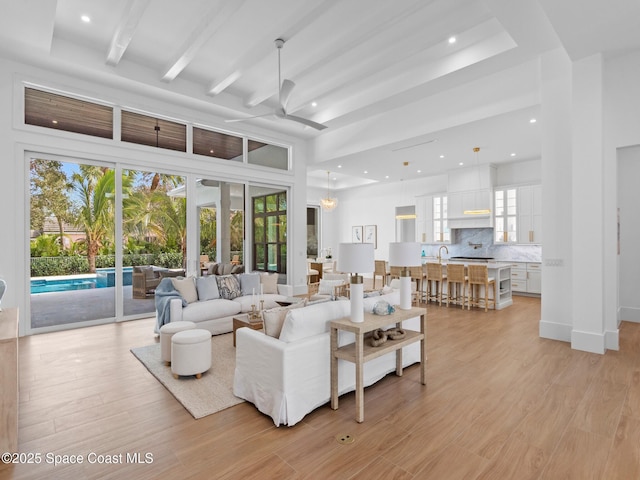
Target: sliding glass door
x,y
72,233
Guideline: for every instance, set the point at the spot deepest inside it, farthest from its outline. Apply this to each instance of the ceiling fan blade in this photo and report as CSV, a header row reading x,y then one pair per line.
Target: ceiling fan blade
x,y
285,92
247,118
304,121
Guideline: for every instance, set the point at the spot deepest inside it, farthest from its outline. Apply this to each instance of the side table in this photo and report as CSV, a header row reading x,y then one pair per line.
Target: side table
x,y
243,321
359,353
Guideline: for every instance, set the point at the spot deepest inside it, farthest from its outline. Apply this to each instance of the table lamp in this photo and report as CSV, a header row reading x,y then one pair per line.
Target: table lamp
x,y
405,255
356,258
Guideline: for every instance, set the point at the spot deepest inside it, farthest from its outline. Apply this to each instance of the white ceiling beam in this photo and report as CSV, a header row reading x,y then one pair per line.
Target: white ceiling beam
x,y
127,26
355,37
209,24
293,24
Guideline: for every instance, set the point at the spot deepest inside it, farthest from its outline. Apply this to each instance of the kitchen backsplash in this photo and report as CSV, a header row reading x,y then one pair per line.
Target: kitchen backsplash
x,y
468,241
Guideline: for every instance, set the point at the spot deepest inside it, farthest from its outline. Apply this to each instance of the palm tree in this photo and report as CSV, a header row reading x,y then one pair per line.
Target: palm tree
x,y
95,211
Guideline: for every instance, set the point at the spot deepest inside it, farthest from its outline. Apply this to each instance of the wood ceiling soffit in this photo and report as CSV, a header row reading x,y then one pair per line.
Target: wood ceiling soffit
x,y
71,115
207,27
126,29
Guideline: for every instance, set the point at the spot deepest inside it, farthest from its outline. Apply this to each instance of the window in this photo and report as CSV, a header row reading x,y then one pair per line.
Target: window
x,y
216,144
268,155
270,232
49,110
154,132
441,231
505,216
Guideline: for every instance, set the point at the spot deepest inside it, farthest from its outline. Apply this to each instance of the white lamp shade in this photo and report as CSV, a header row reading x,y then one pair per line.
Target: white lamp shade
x,y
405,254
356,258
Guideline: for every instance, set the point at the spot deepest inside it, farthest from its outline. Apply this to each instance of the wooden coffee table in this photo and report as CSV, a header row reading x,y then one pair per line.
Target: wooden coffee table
x,y
243,321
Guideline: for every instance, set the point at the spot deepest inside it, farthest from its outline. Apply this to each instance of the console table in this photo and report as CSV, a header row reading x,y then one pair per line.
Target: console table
x,y
359,352
9,380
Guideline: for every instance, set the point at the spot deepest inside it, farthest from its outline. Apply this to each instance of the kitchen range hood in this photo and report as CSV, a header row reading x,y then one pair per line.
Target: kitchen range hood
x,y
470,197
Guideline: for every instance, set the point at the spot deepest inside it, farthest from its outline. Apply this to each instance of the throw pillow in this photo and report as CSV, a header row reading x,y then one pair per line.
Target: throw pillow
x,y
212,268
269,282
274,318
237,269
249,283
186,287
313,320
228,286
207,288
326,287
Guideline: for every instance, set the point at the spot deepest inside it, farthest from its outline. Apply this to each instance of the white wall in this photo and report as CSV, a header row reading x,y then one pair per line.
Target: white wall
x,y
16,139
629,203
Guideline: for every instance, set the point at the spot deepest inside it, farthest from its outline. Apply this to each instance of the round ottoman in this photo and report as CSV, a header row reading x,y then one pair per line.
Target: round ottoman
x,y
191,352
166,332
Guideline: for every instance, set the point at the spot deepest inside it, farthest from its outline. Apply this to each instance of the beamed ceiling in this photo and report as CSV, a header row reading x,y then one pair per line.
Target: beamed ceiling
x,y
383,75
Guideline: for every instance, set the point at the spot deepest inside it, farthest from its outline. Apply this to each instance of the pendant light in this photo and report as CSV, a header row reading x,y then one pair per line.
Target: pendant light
x,y
328,203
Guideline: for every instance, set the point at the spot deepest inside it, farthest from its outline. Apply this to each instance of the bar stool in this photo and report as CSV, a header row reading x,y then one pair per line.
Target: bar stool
x,y
457,285
479,277
381,269
435,278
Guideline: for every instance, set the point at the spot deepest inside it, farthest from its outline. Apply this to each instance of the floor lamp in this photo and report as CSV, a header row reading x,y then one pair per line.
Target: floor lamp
x,y
405,255
356,258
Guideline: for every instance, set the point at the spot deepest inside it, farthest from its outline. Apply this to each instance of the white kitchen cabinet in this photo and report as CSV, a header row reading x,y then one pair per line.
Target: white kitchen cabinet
x,y
526,277
518,276
431,219
534,278
470,201
530,214
424,219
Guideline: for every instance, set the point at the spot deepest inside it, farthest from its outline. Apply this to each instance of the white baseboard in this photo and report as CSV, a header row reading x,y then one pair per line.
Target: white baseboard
x,y
588,341
611,340
555,331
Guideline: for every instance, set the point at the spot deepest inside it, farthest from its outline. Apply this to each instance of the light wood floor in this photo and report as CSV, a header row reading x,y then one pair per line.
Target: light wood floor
x,y
500,403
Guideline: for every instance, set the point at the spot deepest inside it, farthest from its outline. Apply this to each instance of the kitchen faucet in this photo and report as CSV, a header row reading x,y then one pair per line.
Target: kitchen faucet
x,y
440,252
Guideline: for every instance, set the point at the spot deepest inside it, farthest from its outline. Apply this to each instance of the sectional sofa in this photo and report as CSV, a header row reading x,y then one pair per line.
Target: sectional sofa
x,y
212,301
287,375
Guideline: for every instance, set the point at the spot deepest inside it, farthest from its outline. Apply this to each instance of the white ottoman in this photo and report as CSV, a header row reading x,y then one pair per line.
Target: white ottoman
x,y
166,332
191,352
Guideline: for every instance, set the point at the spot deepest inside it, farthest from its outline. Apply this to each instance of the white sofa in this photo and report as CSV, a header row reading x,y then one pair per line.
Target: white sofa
x,y
289,376
214,313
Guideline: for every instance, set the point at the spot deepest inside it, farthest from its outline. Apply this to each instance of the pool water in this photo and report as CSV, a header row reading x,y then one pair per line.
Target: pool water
x,y
104,277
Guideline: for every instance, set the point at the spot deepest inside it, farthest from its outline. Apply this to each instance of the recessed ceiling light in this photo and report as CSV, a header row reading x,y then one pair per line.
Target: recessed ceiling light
x,y
441,156
85,18
386,176
513,154
533,120
366,171
339,166
314,104
419,171
55,122
452,40
461,163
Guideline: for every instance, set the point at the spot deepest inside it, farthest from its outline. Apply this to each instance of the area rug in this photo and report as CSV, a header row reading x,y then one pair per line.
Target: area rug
x,y
201,397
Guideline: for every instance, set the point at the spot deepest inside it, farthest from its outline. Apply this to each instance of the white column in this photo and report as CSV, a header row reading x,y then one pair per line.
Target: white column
x,y
555,125
587,217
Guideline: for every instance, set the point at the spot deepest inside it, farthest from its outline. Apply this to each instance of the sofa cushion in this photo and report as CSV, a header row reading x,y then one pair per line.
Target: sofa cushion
x,y
309,321
392,298
212,268
269,282
207,288
186,287
228,286
249,283
274,318
201,311
224,268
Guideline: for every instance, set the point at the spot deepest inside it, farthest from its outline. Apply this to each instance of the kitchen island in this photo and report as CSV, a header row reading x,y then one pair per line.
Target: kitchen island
x,y
501,271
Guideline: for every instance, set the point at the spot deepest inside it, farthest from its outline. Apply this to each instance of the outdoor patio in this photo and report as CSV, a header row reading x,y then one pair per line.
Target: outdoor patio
x,y
60,308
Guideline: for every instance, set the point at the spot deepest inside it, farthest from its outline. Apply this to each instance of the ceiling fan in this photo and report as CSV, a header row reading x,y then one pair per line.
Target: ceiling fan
x,y
285,87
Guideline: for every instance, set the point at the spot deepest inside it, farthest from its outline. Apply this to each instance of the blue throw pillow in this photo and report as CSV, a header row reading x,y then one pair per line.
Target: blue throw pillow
x,y
249,283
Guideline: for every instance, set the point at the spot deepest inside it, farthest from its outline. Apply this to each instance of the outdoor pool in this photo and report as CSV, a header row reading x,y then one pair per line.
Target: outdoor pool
x,y
104,277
